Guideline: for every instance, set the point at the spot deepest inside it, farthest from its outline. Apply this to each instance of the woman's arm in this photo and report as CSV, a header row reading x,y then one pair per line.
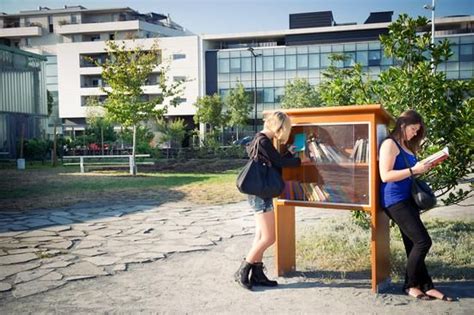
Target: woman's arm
x,y
267,148
388,154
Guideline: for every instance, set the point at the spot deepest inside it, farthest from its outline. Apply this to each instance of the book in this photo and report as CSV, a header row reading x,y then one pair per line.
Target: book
x,y
299,142
437,157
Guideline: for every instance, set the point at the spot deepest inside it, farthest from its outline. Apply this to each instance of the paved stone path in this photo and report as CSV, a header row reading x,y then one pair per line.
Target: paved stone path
x,y
43,250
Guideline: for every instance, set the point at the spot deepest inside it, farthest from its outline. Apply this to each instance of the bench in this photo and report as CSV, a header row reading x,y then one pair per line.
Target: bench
x,y
82,162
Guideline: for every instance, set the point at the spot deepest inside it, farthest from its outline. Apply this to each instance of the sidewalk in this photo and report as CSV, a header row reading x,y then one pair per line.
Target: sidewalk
x,y
173,258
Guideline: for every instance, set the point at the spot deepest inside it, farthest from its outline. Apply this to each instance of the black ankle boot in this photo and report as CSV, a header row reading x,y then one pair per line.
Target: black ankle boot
x,y
259,278
242,275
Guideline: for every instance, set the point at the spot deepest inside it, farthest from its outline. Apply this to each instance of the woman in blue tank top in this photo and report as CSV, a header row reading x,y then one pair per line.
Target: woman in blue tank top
x,y
395,196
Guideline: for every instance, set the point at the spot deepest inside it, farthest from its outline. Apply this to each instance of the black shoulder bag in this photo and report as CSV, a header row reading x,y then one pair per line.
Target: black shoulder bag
x,y
421,193
258,177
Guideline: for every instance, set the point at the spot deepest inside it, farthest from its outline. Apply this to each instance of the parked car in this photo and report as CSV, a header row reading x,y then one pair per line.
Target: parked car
x,y
243,141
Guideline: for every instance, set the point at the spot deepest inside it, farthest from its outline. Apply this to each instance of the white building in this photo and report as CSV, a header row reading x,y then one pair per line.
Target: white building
x,y
68,34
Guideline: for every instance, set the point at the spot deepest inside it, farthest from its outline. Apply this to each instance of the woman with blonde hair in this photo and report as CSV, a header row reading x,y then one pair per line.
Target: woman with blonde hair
x,y
277,126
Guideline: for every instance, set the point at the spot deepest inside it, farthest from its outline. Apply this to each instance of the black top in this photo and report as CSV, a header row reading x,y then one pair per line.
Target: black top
x,y
267,152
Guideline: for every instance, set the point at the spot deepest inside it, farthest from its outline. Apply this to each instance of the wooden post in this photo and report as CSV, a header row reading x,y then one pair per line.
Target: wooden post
x,y
285,245
380,250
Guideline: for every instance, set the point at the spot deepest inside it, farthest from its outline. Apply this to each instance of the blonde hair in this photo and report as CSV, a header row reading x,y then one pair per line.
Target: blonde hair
x,y
280,124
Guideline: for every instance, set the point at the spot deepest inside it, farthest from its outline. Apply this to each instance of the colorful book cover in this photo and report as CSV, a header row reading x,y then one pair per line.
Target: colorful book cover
x,y
299,142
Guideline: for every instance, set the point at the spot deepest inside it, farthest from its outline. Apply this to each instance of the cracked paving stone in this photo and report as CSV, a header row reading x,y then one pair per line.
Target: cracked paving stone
x,y
82,269
23,250
56,264
52,276
88,244
102,260
26,276
42,239
72,233
34,287
89,252
37,233
19,258
58,245
120,267
5,286
7,271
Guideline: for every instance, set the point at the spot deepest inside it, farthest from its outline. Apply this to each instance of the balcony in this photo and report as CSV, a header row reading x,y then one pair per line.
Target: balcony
x,y
17,32
84,28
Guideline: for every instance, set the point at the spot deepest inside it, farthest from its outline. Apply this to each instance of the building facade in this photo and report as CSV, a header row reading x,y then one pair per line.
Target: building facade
x,y
304,51
55,33
23,104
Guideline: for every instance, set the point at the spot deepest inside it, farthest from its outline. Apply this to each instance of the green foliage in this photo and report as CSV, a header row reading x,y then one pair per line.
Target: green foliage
x,y
345,86
209,111
37,149
144,137
50,102
238,106
446,105
126,71
300,94
172,131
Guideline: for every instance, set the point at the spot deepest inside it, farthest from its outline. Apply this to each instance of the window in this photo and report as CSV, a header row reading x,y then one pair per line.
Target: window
x,y
325,61
268,63
111,36
95,38
179,56
73,19
50,23
246,64
268,95
362,58
223,65
302,61
235,65
313,61
466,52
349,60
374,57
180,100
279,63
290,62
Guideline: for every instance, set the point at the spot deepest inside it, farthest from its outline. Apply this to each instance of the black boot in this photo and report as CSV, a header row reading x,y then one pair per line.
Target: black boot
x,y
242,275
259,278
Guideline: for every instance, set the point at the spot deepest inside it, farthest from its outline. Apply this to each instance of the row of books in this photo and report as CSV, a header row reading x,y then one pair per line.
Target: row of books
x,y
324,153
360,152
295,190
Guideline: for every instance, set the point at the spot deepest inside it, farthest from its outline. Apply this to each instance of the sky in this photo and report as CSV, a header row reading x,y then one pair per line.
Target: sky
x,y
236,16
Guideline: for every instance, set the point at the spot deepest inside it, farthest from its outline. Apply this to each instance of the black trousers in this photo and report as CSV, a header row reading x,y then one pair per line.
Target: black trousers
x,y
417,243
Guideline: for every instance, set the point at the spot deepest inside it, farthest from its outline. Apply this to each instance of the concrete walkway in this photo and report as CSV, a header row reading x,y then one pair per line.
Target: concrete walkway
x,y
172,258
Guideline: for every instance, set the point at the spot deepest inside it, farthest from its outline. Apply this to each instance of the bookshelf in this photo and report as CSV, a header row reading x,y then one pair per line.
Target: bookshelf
x,y
338,147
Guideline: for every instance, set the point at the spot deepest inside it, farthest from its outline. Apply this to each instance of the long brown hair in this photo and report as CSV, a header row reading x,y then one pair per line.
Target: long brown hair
x,y
409,117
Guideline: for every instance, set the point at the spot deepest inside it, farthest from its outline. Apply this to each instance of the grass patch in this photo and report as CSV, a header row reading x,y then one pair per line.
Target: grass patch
x,y
50,187
343,247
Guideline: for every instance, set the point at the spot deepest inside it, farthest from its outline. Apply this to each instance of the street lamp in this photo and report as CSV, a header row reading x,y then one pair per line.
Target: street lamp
x,y
255,87
432,7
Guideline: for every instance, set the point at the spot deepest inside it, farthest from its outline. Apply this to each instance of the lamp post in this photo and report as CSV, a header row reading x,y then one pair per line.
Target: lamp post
x,y
432,7
255,87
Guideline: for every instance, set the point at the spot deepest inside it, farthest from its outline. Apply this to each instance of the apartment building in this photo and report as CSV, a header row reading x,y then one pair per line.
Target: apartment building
x,y
304,49
66,35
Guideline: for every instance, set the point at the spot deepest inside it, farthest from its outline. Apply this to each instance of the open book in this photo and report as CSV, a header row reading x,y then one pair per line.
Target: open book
x,y
437,157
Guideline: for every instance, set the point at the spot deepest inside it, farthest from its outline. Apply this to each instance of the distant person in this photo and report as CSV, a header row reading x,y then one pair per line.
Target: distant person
x,y
277,125
395,194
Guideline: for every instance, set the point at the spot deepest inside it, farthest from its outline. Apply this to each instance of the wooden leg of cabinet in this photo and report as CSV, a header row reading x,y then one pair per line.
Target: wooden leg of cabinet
x,y
380,251
285,244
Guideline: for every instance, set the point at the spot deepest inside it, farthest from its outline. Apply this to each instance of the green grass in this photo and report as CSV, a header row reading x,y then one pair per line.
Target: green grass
x,y
47,187
341,247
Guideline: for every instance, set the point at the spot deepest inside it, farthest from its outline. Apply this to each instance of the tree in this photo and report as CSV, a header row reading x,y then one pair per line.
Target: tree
x,y
446,105
50,102
126,71
100,128
299,94
238,107
172,131
209,111
345,86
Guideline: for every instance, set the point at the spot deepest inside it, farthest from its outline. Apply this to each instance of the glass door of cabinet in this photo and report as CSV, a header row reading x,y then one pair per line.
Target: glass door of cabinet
x,y
335,167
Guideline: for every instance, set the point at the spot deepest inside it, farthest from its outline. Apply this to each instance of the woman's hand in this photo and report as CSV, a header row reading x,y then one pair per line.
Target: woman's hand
x,y
291,149
421,168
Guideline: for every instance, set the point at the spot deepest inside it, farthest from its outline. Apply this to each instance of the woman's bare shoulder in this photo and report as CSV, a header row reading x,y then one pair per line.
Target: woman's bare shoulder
x,y
389,145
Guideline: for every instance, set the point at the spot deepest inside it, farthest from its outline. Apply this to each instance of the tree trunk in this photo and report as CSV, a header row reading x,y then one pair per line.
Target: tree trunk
x,y
134,144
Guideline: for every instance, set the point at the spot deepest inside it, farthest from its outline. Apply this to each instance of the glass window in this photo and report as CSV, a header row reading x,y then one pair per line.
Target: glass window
x,y
235,54
302,61
326,48
279,92
279,63
349,47
455,51
224,65
290,62
246,64
337,48
386,61
374,45
465,74
313,61
325,61
268,95
267,52
466,65
374,57
466,52
279,52
466,39
452,66
179,56
350,59
235,65
302,49
362,58
259,64
279,75
362,46
313,49
290,50
223,54
268,63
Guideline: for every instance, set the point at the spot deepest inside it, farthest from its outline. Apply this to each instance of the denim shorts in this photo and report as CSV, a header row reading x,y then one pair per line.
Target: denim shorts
x,y
260,205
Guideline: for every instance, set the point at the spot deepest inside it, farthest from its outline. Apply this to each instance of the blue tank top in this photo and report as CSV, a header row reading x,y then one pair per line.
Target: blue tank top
x,y
394,192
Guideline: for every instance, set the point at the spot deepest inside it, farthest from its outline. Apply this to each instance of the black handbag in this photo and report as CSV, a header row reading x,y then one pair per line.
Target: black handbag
x,y
258,177
421,193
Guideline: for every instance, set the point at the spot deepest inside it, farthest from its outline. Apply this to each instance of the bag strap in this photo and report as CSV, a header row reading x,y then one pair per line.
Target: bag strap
x,y
402,151
255,150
